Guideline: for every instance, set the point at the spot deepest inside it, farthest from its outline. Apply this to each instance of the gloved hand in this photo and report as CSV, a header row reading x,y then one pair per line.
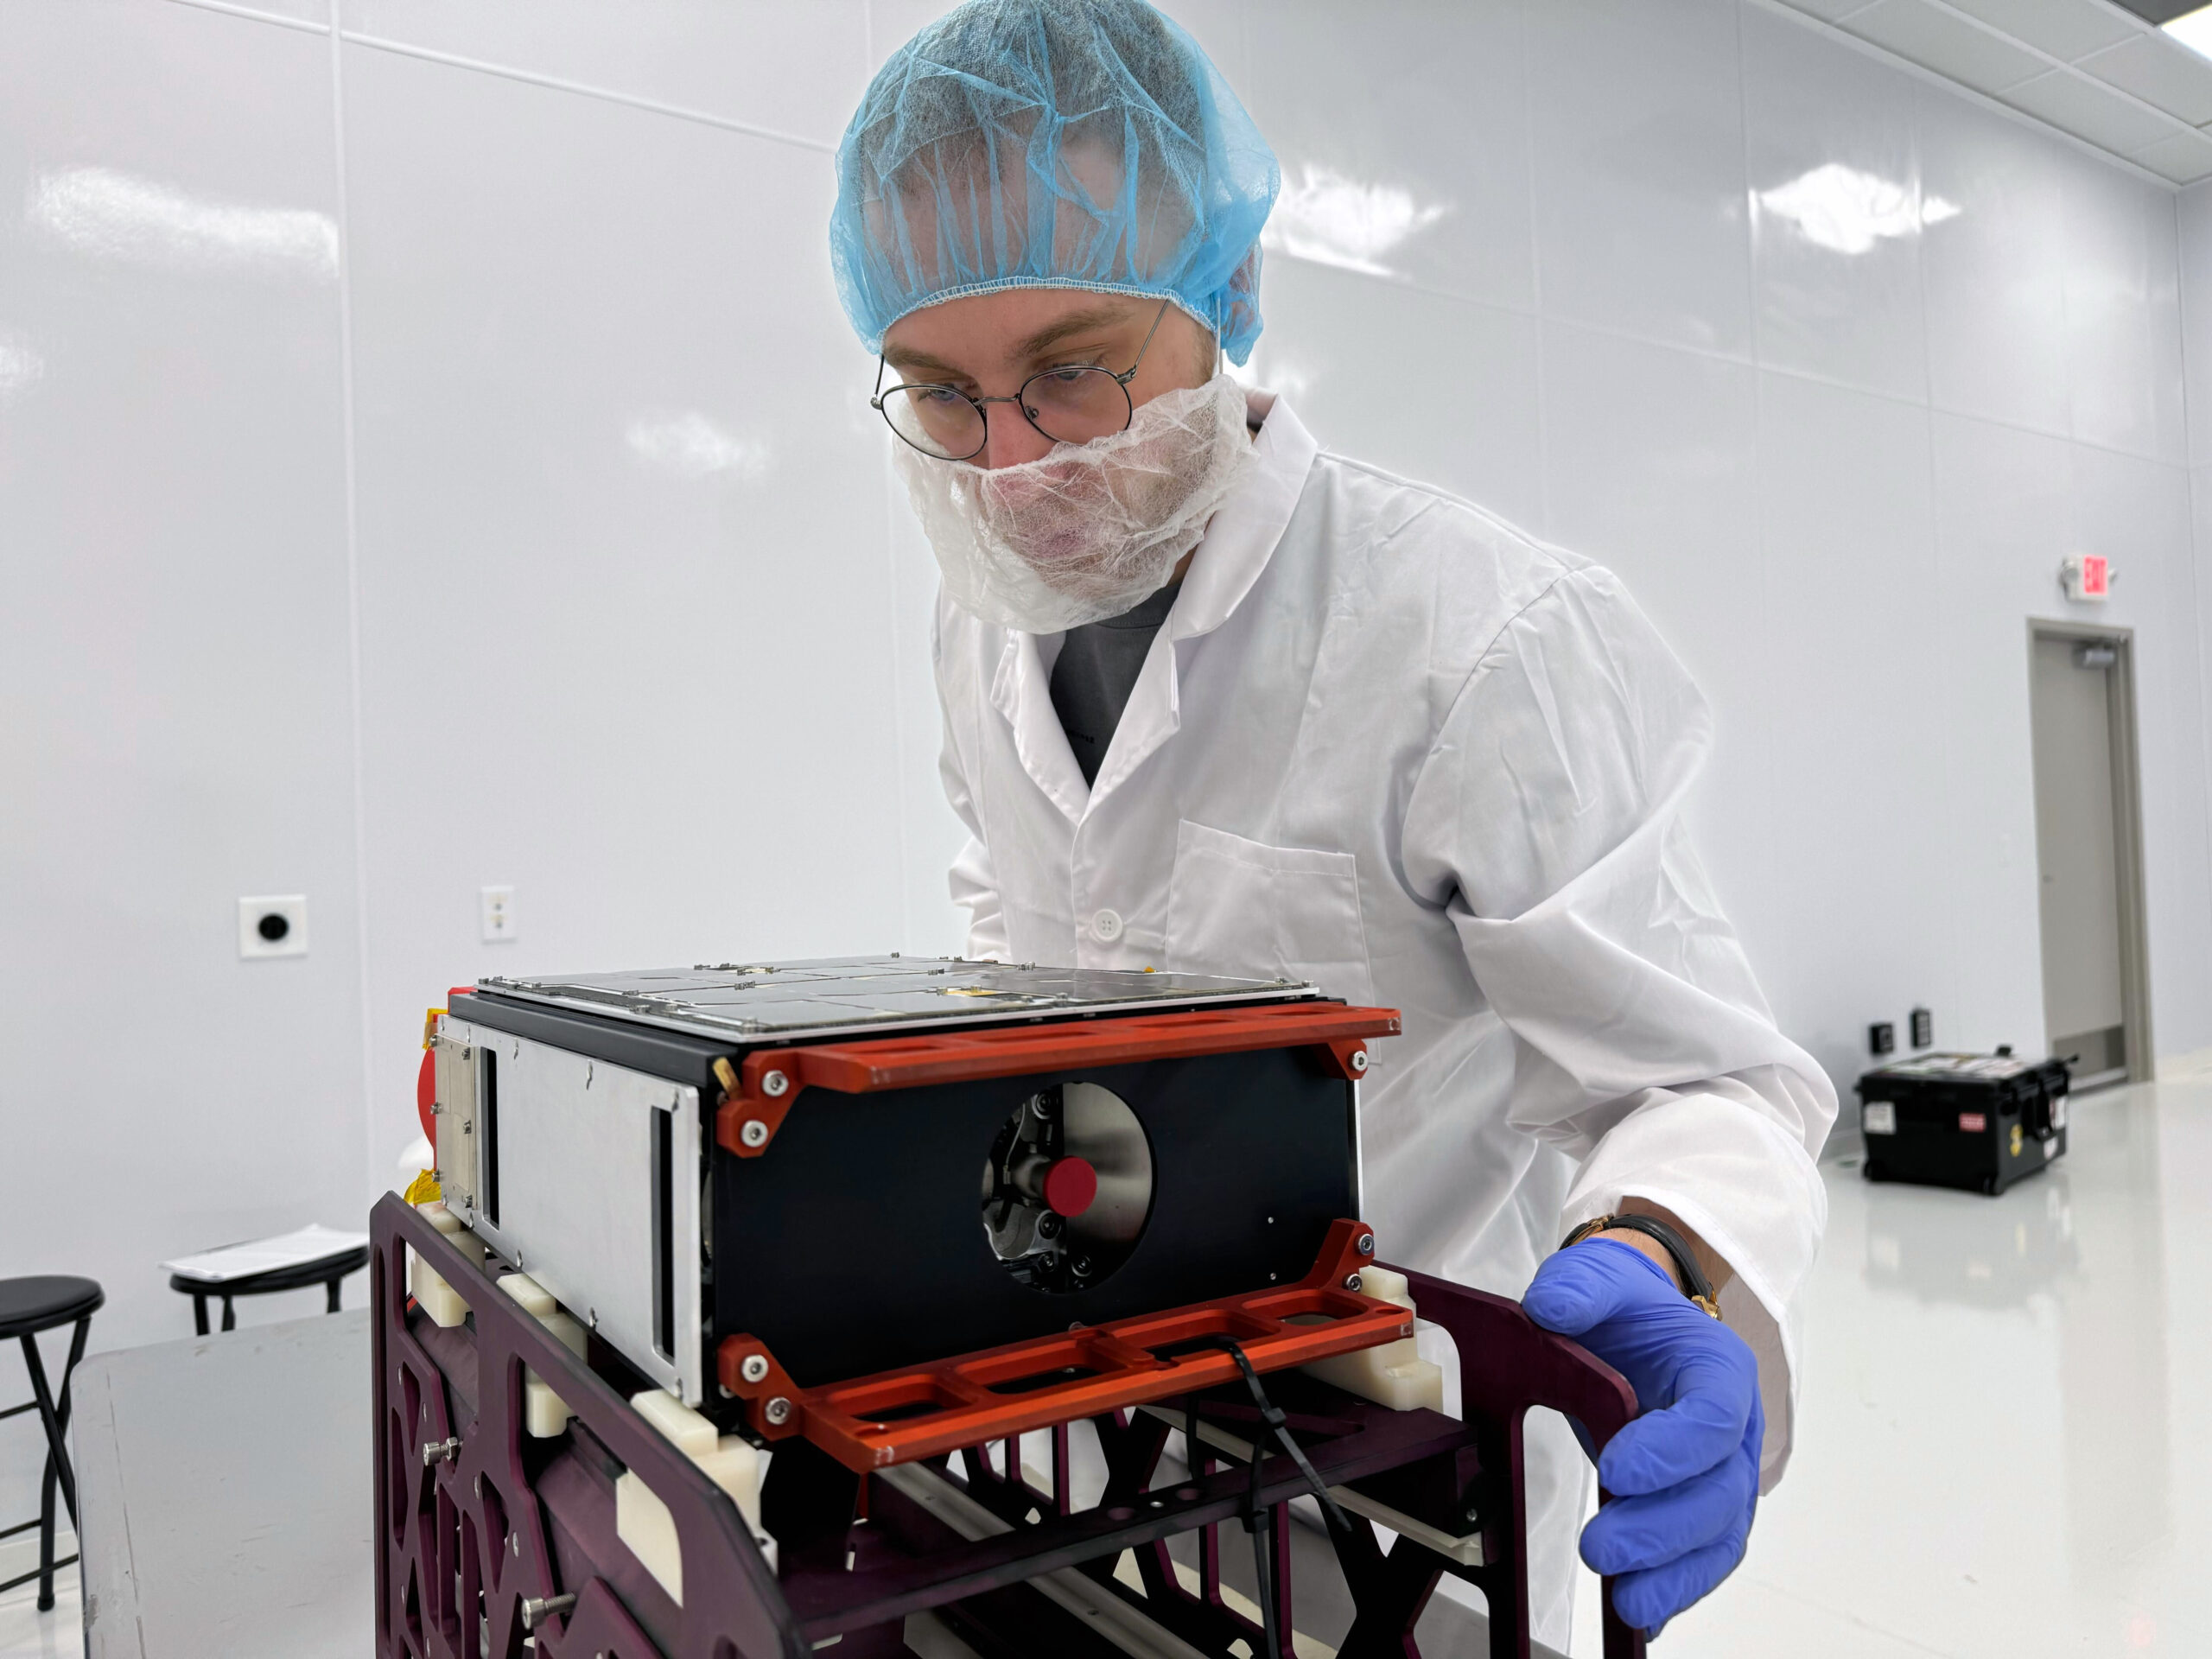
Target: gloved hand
x,y
1685,1473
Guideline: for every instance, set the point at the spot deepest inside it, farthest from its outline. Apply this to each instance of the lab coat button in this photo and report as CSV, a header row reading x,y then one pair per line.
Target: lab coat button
x,y
1106,926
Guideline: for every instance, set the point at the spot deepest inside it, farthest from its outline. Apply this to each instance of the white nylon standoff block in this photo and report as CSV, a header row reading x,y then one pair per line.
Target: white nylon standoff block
x,y
544,1413
690,1434
440,1303
1392,1374
534,1297
642,1521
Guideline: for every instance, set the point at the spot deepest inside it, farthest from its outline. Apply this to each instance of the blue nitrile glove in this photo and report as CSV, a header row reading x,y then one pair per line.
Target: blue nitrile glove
x,y
1685,1474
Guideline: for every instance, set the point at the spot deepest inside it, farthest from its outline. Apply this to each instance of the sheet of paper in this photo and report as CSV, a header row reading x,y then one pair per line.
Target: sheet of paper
x,y
262,1255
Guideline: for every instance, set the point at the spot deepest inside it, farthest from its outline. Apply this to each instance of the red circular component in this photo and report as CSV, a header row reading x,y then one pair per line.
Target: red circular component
x,y
1071,1184
426,1097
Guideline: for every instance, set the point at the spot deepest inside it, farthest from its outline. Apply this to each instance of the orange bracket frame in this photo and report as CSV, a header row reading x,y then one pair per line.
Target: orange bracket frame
x,y
758,1095
919,1411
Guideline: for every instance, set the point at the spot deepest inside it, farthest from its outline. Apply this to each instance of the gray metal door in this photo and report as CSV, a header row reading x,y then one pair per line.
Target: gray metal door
x,y
2084,766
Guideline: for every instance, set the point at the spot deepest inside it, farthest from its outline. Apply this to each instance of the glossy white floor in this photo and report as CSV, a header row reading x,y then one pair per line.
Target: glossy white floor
x,y
2003,1448
26,1633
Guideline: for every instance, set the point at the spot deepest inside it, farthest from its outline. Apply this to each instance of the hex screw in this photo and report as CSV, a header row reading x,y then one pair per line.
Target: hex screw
x,y
1367,1243
754,1368
774,1084
1358,1061
778,1411
536,1611
440,1451
752,1131
1351,1281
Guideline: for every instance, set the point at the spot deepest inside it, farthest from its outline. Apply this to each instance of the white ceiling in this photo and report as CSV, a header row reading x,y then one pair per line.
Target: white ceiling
x,y
2085,67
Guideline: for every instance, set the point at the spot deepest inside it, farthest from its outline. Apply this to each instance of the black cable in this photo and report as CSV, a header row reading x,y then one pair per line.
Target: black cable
x,y
1260,1519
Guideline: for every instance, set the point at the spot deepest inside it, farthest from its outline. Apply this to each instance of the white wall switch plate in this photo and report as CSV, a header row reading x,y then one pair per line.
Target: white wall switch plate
x,y
275,924
497,906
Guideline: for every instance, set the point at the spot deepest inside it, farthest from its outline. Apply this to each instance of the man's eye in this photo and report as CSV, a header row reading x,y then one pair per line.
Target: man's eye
x,y
1068,373
939,396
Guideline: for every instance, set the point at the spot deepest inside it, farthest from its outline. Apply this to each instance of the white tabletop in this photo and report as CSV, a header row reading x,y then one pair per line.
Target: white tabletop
x,y
223,1489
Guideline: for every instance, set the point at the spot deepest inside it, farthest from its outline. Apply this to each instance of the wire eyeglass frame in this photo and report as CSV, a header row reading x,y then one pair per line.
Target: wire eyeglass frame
x,y
882,399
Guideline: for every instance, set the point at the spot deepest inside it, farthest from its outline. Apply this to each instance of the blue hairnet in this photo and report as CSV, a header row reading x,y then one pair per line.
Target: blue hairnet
x,y
1052,143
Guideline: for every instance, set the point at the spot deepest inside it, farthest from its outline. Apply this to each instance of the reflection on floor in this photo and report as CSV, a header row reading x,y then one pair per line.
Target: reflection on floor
x,y
26,1633
2002,1447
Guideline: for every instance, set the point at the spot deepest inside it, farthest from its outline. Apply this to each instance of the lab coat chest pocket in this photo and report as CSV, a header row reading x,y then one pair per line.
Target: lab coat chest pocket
x,y
1249,910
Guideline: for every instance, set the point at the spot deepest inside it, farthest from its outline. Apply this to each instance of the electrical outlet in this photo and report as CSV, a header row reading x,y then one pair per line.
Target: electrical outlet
x,y
1923,1028
275,924
1882,1039
497,914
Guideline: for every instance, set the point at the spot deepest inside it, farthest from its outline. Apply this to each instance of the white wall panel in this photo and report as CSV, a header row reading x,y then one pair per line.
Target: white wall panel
x,y
627,588
1651,468
2193,234
1636,120
1846,527
1995,272
1419,383
174,727
2123,320
791,69
1403,139
1836,210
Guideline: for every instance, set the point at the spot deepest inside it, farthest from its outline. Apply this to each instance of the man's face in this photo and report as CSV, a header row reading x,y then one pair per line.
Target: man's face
x,y
985,345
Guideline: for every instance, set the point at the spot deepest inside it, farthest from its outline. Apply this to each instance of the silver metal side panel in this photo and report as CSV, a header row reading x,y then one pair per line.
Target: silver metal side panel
x,y
578,1191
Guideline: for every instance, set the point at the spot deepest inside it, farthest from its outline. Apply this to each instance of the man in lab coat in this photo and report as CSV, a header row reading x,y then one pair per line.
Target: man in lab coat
x,y
1218,701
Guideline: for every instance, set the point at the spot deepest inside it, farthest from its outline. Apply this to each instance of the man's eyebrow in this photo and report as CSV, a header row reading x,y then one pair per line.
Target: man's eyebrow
x,y
1077,322
904,357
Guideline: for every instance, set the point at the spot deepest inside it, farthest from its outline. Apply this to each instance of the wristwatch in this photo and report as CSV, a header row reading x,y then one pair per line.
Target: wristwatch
x,y
1695,1285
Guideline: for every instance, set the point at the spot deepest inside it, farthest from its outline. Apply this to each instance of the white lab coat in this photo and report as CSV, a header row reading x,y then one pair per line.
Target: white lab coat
x,y
1388,743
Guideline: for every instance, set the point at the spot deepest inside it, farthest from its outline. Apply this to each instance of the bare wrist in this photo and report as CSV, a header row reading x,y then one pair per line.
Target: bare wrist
x,y
1644,1244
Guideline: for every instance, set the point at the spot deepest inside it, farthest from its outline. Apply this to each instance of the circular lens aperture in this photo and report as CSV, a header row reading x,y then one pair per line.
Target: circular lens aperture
x,y
936,420
1067,1187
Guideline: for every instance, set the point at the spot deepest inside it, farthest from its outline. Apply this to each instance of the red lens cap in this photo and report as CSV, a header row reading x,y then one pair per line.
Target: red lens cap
x,y
426,1098
1071,1184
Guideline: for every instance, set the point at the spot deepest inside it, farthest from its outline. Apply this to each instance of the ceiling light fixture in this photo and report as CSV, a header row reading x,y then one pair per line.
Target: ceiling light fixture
x,y
2192,29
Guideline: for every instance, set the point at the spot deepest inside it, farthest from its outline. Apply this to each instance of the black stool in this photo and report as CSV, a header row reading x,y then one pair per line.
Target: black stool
x,y
326,1271
27,1308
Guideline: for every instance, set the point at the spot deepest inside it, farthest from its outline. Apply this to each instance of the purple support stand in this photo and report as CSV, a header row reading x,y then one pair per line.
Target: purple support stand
x,y
474,1517
1508,1364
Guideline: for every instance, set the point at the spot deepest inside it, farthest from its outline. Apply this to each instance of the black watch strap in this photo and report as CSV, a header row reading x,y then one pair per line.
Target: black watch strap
x,y
1695,1285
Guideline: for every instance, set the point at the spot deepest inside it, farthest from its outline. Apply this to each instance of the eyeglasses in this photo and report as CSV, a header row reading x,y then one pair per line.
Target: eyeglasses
x,y
1074,404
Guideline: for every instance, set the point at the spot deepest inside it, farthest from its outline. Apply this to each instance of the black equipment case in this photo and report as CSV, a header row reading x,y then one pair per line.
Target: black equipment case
x,y
1973,1121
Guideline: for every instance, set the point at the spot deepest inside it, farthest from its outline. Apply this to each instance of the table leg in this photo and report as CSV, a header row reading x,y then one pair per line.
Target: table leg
x,y
200,1312
230,1315
331,1285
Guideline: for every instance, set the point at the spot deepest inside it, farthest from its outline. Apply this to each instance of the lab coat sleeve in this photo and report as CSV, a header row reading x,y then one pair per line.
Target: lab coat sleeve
x,y
970,879
1547,818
